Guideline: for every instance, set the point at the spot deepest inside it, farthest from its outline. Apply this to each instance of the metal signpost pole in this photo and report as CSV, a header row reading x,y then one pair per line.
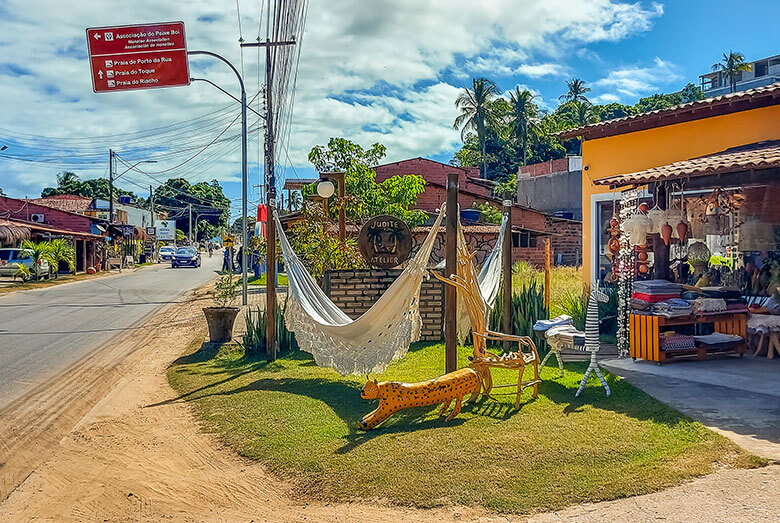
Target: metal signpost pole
x,y
244,237
110,186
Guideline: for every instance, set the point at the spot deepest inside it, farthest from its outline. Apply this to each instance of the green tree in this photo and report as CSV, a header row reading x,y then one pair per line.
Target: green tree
x,y
364,196
318,249
475,114
613,110
732,65
208,201
296,200
525,116
690,93
39,251
489,213
656,102
68,182
575,91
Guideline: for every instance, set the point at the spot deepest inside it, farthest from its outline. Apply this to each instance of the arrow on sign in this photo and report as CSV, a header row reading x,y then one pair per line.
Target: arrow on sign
x,y
97,36
100,74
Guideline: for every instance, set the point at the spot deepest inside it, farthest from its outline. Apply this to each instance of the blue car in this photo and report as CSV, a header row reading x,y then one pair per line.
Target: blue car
x,y
186,256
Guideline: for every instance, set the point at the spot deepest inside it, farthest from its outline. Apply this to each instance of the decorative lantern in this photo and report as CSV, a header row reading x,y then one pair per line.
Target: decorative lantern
x,y
638,226
656,215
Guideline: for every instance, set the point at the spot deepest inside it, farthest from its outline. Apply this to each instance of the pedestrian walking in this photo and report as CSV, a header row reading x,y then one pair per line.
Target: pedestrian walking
x,y
226,261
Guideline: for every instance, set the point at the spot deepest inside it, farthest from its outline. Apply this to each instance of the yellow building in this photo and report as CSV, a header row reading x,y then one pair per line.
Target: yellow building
x,y
709,143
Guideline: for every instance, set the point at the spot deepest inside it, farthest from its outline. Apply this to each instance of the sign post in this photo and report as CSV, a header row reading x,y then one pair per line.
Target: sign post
x,y
133,57
166,230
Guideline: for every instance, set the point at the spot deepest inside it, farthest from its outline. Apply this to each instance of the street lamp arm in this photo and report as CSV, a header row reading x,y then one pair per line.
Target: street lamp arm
x,y
227,93
223,59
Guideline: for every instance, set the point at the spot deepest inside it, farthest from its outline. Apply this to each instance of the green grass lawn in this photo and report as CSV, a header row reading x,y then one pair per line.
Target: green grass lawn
x,y
563,281
282,280
301,421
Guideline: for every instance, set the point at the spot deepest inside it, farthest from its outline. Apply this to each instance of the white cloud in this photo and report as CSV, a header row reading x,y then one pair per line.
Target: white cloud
x,y
635,81
362,65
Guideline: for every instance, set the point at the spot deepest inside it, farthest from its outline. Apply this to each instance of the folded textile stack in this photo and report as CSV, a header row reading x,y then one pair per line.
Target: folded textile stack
x,y
673,308
565,337
640,305
707,305
653,291
718,340
676,342
545,325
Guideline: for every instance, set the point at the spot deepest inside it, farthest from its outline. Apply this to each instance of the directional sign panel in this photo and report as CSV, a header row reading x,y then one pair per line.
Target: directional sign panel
x,y
138,56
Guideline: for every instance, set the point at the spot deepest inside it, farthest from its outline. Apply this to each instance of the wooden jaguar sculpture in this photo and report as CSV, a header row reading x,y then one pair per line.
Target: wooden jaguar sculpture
x,y
394,395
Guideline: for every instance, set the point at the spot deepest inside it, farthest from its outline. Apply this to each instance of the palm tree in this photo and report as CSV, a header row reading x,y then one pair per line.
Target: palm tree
x,y
732,66
575,91
62,250
38,252
525,117
295,200
475,114
578,114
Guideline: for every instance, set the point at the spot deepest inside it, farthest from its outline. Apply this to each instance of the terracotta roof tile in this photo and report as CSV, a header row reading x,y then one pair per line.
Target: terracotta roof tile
x,y
759,155
723,104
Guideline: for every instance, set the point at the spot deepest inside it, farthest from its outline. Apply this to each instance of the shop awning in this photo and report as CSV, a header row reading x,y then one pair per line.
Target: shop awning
x,y
297,185
36,227
751,157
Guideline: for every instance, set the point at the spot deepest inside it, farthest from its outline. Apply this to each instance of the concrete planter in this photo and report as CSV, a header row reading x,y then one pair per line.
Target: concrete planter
x,y
220,321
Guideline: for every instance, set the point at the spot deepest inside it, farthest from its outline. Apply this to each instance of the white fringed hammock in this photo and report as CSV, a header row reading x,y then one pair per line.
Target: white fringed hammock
x,y
381,334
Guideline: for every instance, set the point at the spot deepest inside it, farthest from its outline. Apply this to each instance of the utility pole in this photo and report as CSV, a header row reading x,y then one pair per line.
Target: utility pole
x,y
110,186
270,227
189,222
151,200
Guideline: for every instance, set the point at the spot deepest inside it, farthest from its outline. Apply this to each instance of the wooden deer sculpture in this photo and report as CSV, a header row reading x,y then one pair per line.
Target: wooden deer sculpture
x,y
483,360
394,395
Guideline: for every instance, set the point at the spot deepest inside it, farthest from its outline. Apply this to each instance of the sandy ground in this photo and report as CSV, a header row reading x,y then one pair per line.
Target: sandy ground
x,y
104,445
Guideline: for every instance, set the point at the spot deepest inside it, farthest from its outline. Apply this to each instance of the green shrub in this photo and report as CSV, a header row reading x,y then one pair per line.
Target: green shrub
x,y
253,340
527,308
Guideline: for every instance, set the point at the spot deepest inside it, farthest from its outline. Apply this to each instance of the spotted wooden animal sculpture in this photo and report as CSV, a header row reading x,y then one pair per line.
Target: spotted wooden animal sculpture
x,y
394,395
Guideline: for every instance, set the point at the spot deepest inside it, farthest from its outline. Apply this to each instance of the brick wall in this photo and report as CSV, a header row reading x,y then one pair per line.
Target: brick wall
x,y
433,172
355,291
23,210
551,166
566,240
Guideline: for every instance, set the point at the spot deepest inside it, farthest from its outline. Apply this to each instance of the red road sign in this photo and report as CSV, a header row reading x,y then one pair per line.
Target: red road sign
x,y
138,56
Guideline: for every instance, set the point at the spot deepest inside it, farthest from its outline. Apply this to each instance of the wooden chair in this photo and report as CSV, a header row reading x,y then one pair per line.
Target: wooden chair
x,y
483,361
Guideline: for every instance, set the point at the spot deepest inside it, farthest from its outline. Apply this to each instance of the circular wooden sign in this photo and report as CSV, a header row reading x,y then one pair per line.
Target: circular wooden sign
x,y
385,241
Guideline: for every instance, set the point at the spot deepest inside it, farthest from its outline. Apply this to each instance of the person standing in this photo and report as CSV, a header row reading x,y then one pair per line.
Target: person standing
x,y
226,261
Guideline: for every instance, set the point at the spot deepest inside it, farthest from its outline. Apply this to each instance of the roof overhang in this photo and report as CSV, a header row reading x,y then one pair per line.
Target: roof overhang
x,y
755,159
709,107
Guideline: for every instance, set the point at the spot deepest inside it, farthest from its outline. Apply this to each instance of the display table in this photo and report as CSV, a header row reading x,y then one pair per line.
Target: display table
x,y
646,331
767,328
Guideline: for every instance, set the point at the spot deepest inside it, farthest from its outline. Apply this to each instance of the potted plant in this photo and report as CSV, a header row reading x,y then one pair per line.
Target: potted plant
x,y
221,317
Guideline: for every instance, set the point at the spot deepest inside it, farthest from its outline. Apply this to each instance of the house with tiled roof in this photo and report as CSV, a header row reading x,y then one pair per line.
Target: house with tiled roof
x,y
731,141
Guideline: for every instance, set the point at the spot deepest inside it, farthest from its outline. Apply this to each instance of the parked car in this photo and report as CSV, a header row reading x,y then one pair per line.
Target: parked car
x,y
166,252
186,256
10,259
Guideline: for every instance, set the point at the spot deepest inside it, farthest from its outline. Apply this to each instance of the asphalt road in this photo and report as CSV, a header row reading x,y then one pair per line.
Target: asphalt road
x,y
45,331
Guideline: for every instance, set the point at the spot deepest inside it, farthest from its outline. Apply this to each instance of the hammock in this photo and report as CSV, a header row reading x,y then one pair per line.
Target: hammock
x,y
368,343
488,279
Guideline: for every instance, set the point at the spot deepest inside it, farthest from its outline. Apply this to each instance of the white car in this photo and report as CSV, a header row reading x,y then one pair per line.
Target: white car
x,y
10,259
166,252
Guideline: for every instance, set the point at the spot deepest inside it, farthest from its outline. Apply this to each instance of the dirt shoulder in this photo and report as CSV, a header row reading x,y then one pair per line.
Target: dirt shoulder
x,y
132,451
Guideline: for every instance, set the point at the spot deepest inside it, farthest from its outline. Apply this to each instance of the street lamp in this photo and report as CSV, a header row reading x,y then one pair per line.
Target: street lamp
x,y
325,189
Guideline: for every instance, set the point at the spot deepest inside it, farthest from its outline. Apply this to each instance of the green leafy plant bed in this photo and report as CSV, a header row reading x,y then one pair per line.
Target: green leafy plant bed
x,y
301,421
282,280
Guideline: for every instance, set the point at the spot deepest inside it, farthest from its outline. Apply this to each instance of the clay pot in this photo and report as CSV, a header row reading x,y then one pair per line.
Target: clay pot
x,y
613,246
666,233
642,256
613,222
643,269
643,207
682,231
220,321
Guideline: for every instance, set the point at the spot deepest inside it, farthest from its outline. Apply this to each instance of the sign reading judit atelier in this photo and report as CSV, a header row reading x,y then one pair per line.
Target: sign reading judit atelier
x,y
138,56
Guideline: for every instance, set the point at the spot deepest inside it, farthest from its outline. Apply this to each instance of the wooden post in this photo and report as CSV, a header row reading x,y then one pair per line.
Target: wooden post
x,y
506,262
342,212
547,274
451,267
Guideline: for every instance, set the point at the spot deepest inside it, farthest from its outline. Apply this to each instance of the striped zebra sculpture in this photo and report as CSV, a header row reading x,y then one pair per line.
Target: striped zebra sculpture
x,y
592,336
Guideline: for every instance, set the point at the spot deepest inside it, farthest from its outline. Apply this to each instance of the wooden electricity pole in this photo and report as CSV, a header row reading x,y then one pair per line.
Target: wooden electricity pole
x,y
450,268
506,262
547,274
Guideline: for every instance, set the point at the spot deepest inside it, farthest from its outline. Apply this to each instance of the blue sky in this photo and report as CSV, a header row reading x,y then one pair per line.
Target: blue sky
x,y
385,71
